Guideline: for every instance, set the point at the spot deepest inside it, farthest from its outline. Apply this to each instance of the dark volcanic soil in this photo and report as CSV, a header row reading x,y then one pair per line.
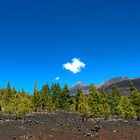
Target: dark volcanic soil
x,y
64,126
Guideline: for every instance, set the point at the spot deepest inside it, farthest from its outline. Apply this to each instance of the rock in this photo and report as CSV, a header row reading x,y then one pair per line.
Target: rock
x,y
125,121
50,136
93,130
62,128
96,135
36,122
115,131
96,128
22,127
27,136
79,130
14,138
88,134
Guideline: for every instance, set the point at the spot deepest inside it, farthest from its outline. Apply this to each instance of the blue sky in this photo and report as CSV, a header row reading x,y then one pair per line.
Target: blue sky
x,y
37,37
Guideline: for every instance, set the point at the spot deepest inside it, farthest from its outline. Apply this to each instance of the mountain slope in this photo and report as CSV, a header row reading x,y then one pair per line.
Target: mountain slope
x,y
121,82
79,85
123,86
111,81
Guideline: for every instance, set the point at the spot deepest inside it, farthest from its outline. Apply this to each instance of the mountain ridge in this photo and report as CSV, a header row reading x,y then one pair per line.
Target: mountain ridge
x,y
121,82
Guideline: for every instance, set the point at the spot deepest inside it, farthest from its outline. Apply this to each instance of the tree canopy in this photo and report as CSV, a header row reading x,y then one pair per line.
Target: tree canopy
x,y
54,98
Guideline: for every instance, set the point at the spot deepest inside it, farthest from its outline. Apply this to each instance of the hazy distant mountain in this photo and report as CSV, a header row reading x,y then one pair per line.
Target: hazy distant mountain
x,y
123,85
79,85
112,81
121,82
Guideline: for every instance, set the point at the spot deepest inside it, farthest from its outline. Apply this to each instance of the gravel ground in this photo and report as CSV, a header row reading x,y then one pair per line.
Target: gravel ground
x,y
65,126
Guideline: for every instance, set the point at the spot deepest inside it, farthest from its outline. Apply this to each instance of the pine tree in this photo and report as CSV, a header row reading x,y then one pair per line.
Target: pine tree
x,y
106,112
66,105
35,88
8,91
36,98
83,107
92,89
125,108
105,108
114,99
45,89
94,101
50,106
66,91
8,88
135,100
56,94
76,97
24,107
132,87
23,93
19,105
94,106
43,95
64,101
73,104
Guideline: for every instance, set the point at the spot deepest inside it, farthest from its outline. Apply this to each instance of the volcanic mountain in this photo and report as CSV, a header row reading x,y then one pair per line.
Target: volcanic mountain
x,y
111,81
123,85
121,82
79,85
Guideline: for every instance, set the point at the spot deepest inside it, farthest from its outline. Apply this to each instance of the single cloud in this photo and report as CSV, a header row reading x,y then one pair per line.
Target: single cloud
x,y
57,78
75,66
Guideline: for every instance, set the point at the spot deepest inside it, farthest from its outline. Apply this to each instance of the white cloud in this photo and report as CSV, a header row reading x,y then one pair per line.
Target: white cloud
x,y
75,66
57,78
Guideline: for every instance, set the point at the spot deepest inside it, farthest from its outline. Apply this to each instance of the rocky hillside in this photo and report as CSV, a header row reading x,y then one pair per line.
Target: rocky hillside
x,y
123,86
121,82
79,85
112,81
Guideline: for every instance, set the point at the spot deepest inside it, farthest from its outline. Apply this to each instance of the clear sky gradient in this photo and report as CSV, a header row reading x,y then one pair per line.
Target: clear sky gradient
x,y
38,36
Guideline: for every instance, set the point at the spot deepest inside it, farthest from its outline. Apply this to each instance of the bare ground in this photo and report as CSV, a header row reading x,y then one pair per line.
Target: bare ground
x,y
64,126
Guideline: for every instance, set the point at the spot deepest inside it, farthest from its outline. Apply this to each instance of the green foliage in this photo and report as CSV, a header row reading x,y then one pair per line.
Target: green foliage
x,y
77,97
92,89
96,104
64,98
36,98
73,104
23,93
56,94
114,99
83,107
43,97
94,101
132,87
66,106
19,105
42,100
106,110
8,88
135,100
125,108
45,89
93,105
50,106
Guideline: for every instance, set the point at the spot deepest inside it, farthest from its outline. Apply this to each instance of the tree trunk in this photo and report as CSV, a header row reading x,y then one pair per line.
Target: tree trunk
x,y
138,118
83,118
